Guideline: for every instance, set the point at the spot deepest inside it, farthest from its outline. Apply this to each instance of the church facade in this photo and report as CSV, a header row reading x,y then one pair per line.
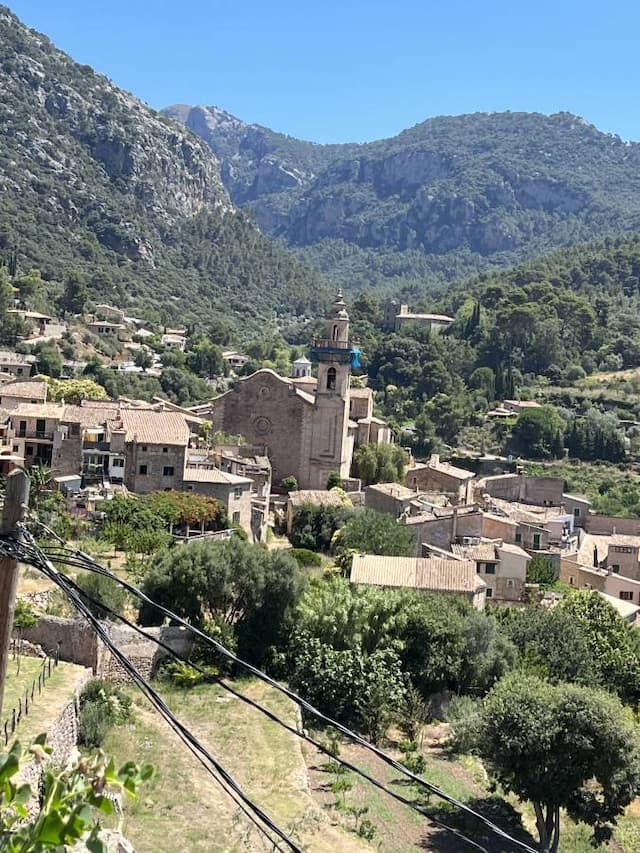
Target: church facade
x,y
308,425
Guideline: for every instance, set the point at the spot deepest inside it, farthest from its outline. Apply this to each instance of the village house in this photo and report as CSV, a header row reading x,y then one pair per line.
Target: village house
x,y
397,315
437,476
107,329
517,407
603,580
234,360
234,492
16,364
424,574
307,430
391,498
22,391
444,525
502,566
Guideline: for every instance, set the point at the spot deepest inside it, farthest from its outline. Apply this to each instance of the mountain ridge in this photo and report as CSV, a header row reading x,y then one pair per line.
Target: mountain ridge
x,y
94,179
498,187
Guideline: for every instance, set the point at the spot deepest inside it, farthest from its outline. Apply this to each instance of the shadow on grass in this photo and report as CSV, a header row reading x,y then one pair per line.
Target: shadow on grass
x,y
494,808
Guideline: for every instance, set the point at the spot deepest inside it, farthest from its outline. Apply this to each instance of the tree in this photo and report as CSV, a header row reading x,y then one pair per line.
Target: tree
x,y
371,532
143,359
313,527
49,359
560,747
379,463
74,296
540,570
74,390
244,586
289,484
334,479
540,432
613,644
104,590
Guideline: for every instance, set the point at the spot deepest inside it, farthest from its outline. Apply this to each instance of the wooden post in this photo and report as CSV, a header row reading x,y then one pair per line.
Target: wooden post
x,y
14,510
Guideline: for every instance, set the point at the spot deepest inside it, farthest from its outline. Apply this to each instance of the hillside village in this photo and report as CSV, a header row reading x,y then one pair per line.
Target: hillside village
x,y
319,463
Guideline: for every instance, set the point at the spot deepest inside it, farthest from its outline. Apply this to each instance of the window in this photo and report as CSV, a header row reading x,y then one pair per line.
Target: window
x,y
165,449
118,463
536,540
188,488
22,429
331,379
615,568
167,471
236,517
75,429
576,512
626,595
40,427
509,583
19,371
142,470
335,333
29,450
144,448
489,592
572,580
16,448
237,493
518,538
490,568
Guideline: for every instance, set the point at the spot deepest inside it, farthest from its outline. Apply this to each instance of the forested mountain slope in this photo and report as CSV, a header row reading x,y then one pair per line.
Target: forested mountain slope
x,y
446,197
91,178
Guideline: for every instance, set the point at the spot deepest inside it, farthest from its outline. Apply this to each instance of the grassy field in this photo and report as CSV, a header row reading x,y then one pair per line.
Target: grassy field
x,y
183,807
46,707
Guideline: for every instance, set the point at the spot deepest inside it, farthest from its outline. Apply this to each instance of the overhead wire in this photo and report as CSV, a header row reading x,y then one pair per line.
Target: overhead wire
x,y
82,560
255,814
273,717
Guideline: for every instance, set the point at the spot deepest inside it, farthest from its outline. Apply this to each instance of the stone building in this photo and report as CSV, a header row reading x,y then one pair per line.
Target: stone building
x,y
305,426
442,477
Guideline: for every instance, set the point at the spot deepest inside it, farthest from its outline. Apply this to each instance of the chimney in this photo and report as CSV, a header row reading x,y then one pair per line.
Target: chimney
x,y
435,460
454,524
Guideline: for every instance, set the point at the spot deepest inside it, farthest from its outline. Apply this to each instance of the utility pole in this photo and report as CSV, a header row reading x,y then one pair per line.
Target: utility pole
x,y
16,501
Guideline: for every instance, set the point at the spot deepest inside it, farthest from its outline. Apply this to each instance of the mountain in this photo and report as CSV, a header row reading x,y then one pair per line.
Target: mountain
x,y
93,179
446,197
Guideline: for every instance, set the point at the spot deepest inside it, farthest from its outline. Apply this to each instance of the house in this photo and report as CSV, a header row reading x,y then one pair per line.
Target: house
x,y
397,315
425,574
22,391
155,448
236,360
174,340
444,525
33,427
437,476
501,565
391,498
16,363
520,406
106,329
603,580
234,492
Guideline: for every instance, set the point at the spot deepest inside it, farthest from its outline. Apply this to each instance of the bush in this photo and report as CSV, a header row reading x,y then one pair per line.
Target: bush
x,y
102,705
104,590
306,558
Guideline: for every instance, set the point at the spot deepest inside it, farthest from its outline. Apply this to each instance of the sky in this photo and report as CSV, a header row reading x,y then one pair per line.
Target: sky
x,y
353,71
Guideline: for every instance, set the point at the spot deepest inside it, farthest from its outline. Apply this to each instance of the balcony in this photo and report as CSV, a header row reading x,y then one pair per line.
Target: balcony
x,y
35,435
331,350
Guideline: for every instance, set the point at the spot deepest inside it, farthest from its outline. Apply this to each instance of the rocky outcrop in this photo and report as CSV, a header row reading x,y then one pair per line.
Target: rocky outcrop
x,y
484,184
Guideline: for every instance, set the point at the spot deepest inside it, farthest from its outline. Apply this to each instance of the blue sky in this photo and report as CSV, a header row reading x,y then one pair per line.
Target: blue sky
x,y
355,71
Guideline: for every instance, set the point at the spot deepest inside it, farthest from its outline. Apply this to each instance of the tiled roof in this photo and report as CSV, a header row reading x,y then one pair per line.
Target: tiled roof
x,y
416,573
443,468
149,427
88,415
37,410
481,551
213,475
364,393
29,389
393,490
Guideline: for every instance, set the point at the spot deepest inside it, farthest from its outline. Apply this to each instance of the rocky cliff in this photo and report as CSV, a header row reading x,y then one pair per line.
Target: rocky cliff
x,y
479,188
92,178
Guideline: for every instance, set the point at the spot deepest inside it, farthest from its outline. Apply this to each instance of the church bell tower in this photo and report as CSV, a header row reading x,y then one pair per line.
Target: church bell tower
x,y
331,447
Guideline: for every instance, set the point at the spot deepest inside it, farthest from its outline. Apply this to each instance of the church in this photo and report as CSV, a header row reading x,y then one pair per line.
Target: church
x,y
308,424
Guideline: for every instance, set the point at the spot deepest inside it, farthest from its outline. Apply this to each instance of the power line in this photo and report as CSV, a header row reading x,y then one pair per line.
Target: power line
x,y
81,560
273,717
231,786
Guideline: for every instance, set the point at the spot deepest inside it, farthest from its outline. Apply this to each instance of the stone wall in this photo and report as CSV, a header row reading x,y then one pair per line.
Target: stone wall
x,y
144,654
608,524
78,644
73,638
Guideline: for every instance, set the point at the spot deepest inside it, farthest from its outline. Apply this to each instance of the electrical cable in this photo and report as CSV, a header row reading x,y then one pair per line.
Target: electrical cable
x,y
273,717
40,561
83,560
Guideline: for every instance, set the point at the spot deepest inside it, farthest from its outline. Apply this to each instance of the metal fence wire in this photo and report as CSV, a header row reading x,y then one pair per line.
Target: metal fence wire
x,y
26,700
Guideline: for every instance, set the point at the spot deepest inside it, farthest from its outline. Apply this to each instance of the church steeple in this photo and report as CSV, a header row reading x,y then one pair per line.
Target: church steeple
x,y
333,352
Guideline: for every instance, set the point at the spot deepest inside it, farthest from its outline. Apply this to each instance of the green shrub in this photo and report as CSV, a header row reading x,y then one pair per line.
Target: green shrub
x,y
102,705
306,558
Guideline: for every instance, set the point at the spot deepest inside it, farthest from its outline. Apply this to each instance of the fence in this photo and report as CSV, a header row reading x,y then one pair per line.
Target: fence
x,y
25,703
